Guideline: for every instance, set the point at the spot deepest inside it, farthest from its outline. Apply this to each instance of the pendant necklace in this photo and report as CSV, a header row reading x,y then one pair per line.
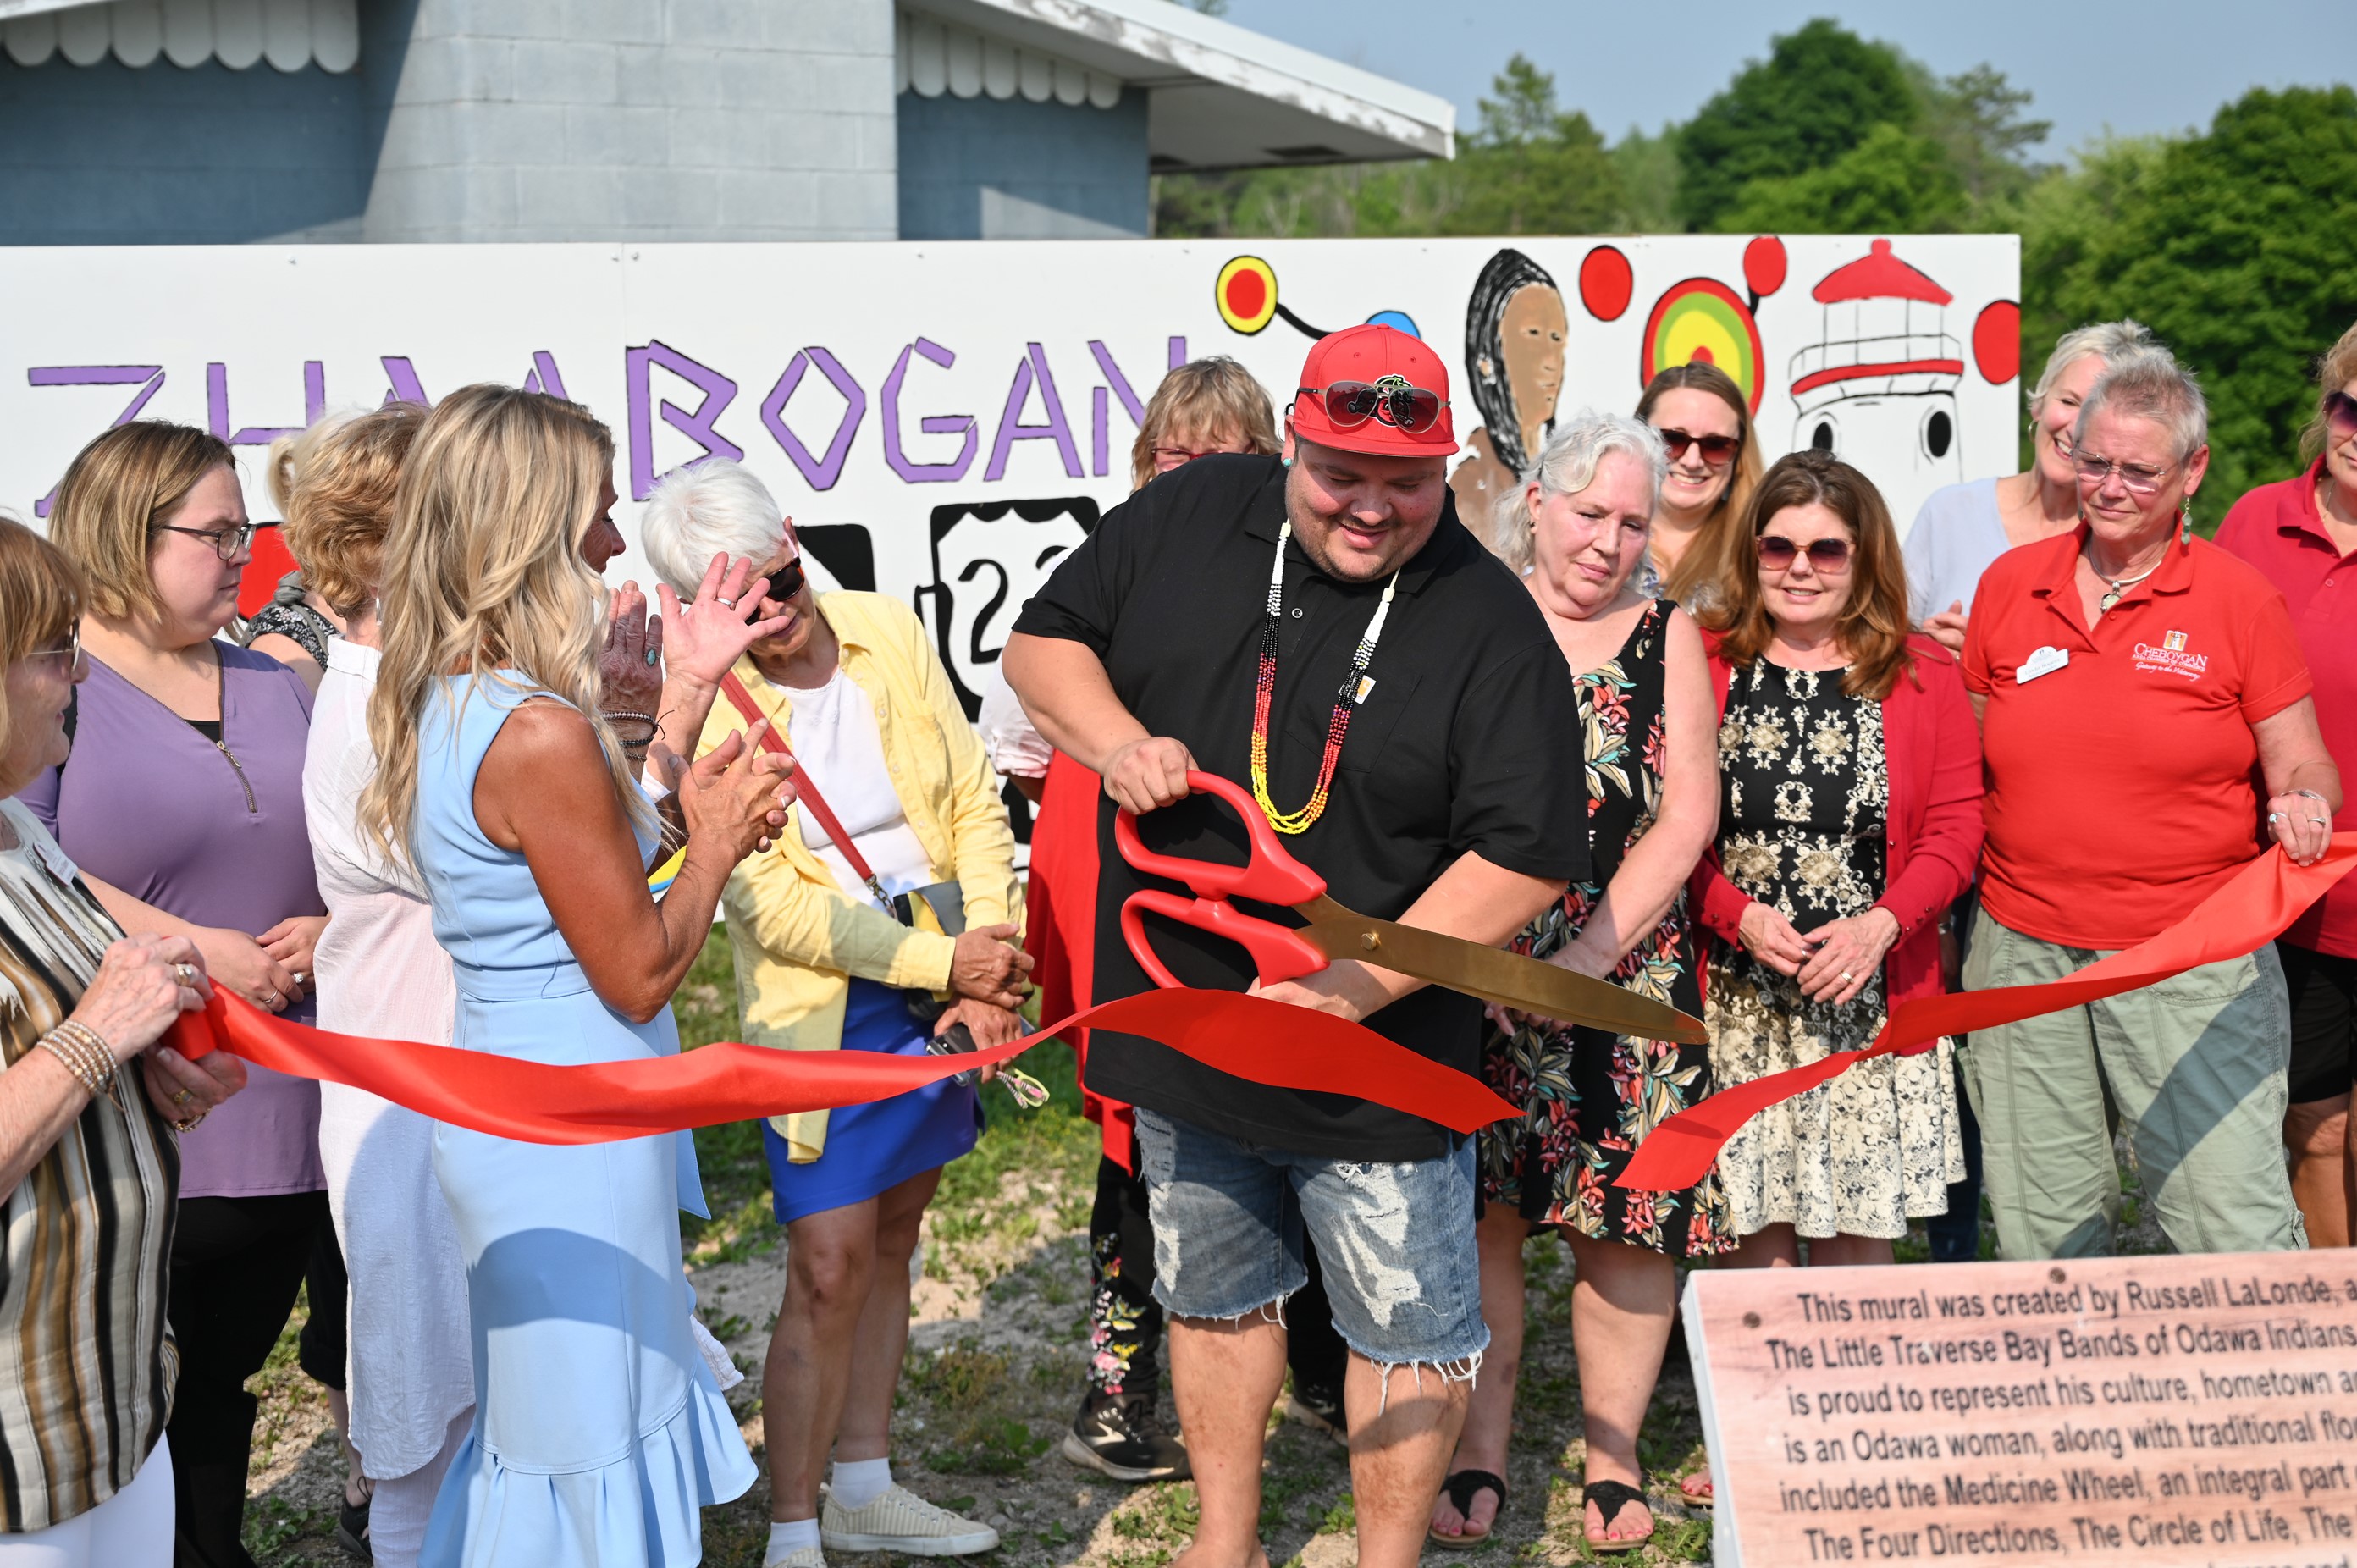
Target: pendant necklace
x,y
2120,586
1355,685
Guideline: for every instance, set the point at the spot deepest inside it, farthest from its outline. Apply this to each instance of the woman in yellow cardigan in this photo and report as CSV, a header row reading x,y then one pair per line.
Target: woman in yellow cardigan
x,y
855,687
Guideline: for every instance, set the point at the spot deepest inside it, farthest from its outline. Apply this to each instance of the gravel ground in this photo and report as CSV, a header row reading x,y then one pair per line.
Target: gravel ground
x,y
994,1372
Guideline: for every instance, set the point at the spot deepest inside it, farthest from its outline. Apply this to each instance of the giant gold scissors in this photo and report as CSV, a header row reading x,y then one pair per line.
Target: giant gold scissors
x,y
1272,875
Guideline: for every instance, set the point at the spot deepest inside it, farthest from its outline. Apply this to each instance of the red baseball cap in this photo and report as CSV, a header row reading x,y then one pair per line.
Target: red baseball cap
x,y
1398,380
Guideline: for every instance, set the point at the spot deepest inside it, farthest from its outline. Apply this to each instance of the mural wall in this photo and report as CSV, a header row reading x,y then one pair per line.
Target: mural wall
x,y
944,421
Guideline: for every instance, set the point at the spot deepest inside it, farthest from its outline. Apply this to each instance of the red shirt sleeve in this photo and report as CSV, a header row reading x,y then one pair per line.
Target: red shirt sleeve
x,y
1976,666
2274,671
1947,848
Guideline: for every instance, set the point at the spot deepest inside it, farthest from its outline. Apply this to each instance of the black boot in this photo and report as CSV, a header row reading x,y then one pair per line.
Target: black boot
x,y
1123,1438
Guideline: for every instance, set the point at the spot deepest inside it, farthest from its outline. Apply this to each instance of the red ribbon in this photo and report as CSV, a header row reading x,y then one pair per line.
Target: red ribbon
x,y
535,1103
2251,910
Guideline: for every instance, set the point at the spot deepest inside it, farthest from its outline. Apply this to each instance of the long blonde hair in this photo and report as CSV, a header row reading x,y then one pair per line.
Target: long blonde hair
x,y
1720,551
483,572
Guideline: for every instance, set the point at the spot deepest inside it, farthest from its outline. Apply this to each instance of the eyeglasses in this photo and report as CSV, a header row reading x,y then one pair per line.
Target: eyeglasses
x,y
1715,449
66,660
1392,401
228,543
1830,556
2096,472
2340,413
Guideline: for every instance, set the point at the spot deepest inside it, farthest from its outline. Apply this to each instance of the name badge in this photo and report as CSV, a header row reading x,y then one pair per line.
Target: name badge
x,y
2045,662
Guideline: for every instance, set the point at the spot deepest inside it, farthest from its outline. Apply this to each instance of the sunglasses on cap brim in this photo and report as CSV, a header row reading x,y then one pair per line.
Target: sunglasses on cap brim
x,y
1391,401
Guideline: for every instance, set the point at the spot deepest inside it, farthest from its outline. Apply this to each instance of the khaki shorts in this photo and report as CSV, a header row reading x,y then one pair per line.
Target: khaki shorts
x,y
2193,1070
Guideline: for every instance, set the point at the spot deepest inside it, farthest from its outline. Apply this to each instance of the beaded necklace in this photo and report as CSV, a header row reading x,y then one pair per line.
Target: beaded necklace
x,y
1353,691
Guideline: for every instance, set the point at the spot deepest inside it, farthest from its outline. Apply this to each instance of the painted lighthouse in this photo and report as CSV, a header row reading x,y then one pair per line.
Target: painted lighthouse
x,y
1879,387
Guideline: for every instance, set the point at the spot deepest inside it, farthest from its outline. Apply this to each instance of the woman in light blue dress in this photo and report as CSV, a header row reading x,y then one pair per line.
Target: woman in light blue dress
x,y
599,1432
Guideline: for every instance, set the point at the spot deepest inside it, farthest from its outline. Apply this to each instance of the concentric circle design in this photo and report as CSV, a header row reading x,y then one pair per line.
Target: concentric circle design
x,y
1246,293
1702,319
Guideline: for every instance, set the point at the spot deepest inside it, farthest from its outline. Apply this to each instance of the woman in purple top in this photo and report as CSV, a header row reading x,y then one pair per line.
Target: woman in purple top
x,y
182,802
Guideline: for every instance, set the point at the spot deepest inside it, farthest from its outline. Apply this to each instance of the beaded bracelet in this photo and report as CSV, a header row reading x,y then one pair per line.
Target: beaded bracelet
x,y
85,1056
617,716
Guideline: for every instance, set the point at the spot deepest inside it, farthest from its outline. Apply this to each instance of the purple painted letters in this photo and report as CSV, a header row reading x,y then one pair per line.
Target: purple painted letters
x,y
1178,352
821,472
1029,371
1101,437
542,376
931,425
406,387
694,424
149,379
217,407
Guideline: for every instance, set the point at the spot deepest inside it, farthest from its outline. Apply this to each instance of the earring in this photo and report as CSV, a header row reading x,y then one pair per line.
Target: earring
x,y
2184,520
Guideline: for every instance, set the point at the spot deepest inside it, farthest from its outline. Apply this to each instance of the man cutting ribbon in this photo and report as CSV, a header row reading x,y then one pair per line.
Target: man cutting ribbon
x,y
1327,631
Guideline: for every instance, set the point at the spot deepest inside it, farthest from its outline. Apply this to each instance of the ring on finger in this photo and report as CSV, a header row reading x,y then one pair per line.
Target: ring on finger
x,y
725,604
653,657
186,974
181,1097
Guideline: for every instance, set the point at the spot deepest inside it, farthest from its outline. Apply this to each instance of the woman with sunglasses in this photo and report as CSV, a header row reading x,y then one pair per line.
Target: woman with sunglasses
x,y
852,684
1705,426
1849,821
2146,718
1589,1097
2301,533
1961,528
182,803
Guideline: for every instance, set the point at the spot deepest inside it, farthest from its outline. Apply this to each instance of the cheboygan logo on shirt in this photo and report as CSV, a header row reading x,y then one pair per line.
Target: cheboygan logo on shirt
x,y
2169,657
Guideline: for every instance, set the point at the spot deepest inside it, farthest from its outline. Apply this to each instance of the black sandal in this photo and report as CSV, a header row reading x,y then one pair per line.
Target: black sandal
x,y
1462,1487
1610,1498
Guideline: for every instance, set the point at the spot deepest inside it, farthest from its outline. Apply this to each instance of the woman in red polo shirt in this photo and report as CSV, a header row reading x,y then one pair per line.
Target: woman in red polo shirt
x,y
2301,533
2135,685
1849,821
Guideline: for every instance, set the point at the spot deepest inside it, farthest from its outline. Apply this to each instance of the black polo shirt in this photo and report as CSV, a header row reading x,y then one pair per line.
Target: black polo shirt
x,y
1470,741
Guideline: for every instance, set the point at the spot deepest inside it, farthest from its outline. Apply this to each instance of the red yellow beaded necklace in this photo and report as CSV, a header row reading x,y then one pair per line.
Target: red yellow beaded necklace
x,y
1353,691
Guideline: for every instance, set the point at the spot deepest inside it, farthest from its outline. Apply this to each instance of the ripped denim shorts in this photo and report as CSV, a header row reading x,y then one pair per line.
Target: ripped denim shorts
x,y
1396,1239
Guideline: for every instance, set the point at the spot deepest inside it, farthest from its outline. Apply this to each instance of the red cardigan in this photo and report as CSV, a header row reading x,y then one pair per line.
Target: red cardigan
x,y
1932,746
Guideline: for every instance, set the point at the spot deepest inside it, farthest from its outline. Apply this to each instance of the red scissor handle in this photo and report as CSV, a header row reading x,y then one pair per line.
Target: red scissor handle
x,y
1271,875
1277,953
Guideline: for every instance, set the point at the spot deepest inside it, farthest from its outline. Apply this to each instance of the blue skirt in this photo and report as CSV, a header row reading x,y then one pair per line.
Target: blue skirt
x,y
875,1147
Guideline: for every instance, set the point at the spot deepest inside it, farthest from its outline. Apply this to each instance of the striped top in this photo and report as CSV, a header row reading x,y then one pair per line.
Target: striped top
x,y
87,1363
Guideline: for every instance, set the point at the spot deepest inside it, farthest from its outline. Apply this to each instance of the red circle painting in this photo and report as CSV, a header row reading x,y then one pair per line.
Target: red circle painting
x,y
1246,293
1997,341
1763,266
1606,283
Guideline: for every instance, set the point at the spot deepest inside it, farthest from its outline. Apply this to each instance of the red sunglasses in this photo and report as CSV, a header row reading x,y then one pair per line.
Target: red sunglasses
x,y
1715,449
1392,399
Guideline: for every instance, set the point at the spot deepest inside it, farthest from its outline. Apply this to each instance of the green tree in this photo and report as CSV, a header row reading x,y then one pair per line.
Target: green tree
x,y
1976,118
1820,92
2232,246
1893,182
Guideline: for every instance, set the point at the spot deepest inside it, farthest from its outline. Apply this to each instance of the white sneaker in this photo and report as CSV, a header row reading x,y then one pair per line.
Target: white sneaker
x,y
799,1557
900,1520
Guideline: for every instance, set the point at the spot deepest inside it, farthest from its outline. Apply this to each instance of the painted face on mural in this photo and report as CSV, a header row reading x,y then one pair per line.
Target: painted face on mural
x,y
1359,517
1532,333
195,589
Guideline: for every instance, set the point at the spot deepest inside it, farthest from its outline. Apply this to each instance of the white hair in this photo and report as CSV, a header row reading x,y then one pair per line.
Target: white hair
x,y
1567,465
701,511
2107,341
2150,384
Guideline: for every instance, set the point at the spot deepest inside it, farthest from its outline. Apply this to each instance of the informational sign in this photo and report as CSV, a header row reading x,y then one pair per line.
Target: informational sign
x,y
945,421
2180,1410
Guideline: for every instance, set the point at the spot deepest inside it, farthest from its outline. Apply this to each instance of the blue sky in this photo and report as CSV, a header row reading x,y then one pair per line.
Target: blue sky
x,y
2164,64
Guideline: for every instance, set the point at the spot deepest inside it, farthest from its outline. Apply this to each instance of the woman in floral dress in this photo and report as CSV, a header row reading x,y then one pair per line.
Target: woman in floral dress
x,y
1590,1098
1850,822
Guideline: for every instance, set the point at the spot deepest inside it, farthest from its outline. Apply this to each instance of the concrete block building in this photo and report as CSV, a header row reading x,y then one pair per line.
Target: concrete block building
x,y
372,121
